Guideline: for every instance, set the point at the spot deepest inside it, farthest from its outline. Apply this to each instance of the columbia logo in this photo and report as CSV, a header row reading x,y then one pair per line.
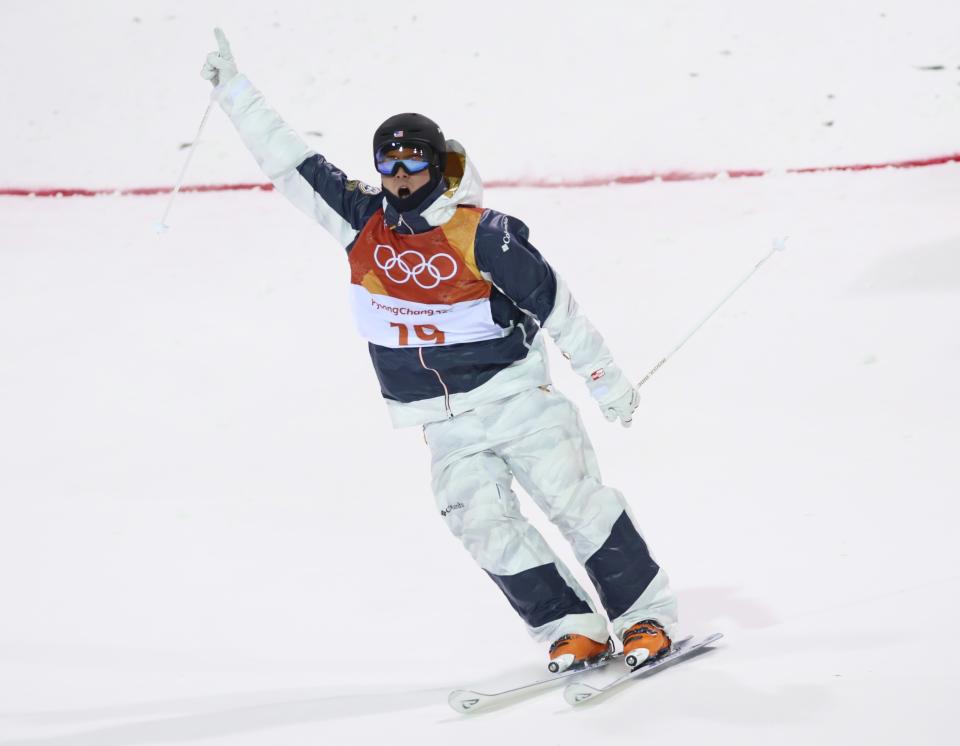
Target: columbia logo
x,y
450,508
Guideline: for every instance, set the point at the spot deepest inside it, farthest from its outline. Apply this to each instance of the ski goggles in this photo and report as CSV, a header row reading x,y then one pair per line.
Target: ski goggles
x,y
413,156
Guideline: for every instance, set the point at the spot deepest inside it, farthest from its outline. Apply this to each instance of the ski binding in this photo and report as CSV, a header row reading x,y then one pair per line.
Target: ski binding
x,y
578,692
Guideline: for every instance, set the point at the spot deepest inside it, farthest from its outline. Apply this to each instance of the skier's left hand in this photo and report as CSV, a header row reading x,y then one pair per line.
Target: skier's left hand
x,y
617,396
623,407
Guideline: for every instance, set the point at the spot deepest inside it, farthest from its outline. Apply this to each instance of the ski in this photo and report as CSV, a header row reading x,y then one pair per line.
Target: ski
x,y
468,700
577,693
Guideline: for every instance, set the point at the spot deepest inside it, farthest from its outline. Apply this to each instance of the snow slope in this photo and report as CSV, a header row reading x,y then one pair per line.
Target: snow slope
x,y
103,93
209,532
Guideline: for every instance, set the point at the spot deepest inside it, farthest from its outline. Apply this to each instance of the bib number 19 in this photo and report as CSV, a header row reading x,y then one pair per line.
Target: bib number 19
x,y
423,332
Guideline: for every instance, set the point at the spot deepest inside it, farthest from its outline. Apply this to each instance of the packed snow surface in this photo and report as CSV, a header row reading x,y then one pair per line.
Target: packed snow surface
x,y
209,532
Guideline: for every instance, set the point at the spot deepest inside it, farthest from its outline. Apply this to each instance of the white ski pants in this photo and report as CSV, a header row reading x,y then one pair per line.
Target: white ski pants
x,y
537,437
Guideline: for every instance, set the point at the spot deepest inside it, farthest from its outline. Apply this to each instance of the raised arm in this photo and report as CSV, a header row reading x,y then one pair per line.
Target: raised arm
x,y
307,179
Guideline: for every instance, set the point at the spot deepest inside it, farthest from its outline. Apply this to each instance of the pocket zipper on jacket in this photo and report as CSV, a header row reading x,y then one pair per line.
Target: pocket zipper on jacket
x,y
446,391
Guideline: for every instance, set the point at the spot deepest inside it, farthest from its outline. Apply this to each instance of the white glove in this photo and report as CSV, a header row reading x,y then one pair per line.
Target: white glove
x,y
220,66
617,396
622,408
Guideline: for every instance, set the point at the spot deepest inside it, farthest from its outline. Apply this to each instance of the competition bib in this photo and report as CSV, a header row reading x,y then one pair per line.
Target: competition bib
x,y
422,289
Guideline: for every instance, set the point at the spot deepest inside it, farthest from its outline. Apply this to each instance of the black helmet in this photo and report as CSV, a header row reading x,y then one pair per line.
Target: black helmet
x,y
412,128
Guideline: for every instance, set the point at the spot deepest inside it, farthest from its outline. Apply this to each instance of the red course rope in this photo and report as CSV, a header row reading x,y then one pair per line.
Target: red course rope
x,y
505,183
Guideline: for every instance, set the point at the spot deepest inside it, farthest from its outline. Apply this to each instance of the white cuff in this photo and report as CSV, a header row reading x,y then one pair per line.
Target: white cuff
x,y
608,384
276,146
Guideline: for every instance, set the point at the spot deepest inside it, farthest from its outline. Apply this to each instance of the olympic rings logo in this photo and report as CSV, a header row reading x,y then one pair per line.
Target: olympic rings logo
x,y
412,265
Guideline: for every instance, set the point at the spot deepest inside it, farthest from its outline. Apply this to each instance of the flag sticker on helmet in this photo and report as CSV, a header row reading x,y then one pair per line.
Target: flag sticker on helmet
x,y
398,133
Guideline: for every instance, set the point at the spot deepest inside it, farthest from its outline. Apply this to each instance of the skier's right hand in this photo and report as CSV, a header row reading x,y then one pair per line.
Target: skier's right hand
x,y
220,65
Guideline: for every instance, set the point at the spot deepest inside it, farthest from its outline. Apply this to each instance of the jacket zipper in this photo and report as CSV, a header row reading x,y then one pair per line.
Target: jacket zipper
x,y
446,391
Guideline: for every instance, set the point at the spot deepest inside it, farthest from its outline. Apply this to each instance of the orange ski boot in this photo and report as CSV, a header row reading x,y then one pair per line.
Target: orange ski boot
x,y
573,651
644,641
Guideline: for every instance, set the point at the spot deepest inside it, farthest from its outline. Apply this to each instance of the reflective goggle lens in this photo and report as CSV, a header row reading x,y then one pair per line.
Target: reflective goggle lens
x,y
390,167
414,157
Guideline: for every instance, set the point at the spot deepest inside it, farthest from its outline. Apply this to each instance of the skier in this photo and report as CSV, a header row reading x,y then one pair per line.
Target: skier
x,y
452,298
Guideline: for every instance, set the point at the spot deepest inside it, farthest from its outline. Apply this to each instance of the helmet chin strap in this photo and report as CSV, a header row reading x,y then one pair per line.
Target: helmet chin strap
x,y
413,200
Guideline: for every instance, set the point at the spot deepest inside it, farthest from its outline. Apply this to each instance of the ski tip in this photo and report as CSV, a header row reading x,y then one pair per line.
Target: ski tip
x,y
577,694
463,700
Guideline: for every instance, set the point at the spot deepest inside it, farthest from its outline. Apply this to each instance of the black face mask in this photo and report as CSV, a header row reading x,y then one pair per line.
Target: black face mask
x,y
412,201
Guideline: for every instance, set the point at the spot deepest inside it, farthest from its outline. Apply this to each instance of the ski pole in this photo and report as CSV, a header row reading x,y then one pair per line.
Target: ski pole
x,y
162,225
779,244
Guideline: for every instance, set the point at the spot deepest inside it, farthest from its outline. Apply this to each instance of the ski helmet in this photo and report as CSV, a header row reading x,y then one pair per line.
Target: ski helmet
x,y
412,128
